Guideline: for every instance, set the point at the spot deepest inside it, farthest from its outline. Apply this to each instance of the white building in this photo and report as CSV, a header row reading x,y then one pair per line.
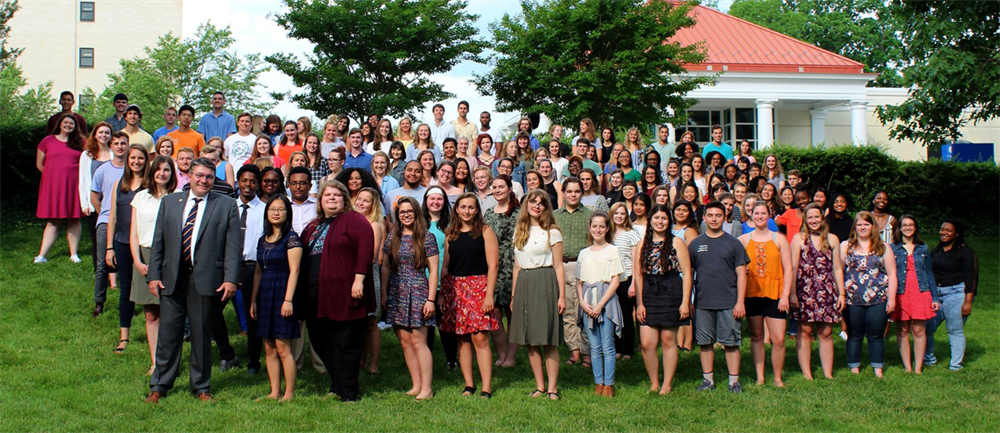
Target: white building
x,y
76,44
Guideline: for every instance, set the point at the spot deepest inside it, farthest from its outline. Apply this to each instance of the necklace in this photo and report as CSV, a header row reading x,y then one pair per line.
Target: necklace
x,y
268,247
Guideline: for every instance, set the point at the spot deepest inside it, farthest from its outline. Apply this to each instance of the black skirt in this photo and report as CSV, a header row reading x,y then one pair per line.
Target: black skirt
x,y
662,296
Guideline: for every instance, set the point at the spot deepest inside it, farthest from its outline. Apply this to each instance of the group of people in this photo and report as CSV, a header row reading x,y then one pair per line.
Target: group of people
x,y
449,226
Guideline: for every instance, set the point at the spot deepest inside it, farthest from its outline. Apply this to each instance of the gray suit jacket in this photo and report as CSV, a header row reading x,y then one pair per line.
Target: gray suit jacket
x,y
217,251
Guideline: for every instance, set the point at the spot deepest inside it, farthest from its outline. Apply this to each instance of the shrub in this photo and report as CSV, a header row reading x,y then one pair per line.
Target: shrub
x,y
932,191
18,174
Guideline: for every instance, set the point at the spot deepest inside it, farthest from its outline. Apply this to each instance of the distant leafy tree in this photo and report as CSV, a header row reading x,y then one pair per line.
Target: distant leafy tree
x,y
606,60
857,29
374,56
17,105
7,55
185,72
952,55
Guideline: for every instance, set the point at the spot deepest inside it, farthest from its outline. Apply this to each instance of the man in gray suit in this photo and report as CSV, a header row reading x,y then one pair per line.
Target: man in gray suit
x,y
197,246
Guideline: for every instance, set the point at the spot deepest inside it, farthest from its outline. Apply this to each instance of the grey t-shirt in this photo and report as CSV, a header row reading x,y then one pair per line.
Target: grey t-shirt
x,y
714,261
105,178
393,196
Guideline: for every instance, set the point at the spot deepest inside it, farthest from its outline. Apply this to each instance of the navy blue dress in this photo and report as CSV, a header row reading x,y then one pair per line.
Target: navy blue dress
x,y
273,261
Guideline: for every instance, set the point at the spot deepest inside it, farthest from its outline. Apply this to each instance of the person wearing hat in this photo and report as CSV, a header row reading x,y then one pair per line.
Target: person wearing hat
x,y
133,115
117,120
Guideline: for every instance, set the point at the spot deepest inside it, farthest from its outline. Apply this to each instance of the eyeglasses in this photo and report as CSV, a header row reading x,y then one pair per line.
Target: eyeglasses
x,y
270,181
406,212
277,210
297,183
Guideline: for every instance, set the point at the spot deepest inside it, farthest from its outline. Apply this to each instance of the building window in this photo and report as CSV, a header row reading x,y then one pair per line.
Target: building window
x,y
87,11
86,57
700,123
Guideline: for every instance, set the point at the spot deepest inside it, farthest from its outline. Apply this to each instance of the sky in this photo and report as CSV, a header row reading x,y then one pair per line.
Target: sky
x,y
254,29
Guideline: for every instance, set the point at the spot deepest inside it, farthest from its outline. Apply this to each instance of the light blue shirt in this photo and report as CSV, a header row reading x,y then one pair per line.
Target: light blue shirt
x,y
217,126
439,133
412,153
162,131
389,184
255,226
105,178
724,149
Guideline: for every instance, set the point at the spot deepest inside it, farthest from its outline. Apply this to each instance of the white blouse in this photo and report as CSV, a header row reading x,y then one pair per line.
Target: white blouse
x,y
537,252
146,208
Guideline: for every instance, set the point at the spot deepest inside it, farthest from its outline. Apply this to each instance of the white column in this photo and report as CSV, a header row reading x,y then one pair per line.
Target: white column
x,y
859,122
818,118
671,132
765,123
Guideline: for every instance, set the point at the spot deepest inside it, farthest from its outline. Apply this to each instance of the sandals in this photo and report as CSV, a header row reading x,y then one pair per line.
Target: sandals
x,y
468,391
121,348
536,393
585,364
486,395
553,396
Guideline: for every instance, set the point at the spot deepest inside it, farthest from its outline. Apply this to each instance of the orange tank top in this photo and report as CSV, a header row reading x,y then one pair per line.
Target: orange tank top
x,y
764,272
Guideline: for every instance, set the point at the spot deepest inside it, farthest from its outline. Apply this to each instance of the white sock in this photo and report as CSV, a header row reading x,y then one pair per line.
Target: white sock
x,y
734,379
710,377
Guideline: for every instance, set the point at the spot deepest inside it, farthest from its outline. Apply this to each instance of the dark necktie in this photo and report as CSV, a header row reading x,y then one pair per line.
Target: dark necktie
x,y
188,232
243,218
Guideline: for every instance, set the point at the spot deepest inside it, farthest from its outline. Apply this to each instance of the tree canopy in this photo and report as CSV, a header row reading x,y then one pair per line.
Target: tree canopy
x,y
606,60
860,30
374,56
185,72
952,55
17,105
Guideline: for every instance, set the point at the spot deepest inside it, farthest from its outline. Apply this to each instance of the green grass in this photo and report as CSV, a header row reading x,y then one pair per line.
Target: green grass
x,y
59,374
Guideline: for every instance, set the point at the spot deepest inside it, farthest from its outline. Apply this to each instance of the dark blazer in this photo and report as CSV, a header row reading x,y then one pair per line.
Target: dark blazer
x,y
217,252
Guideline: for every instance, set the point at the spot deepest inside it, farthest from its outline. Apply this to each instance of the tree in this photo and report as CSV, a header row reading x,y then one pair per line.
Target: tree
x,y
857,29
185,72
952,53
7,55
16,106
606,60
374,56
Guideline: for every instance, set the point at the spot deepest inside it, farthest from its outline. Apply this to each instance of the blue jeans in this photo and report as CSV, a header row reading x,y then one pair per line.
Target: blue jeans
x,y
602,351
866,322
952,299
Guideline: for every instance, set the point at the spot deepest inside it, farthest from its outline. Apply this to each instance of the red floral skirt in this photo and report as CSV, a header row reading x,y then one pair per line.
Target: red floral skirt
x,y
462,304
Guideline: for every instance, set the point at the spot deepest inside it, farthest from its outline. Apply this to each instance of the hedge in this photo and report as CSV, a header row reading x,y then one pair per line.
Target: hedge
x,y
931,191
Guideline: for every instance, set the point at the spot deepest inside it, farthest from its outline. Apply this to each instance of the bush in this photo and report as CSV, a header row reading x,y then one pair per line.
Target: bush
x,y
18,174
932,191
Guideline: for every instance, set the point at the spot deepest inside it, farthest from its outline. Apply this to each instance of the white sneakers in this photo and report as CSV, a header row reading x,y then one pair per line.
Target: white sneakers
x,y
75,258
41,259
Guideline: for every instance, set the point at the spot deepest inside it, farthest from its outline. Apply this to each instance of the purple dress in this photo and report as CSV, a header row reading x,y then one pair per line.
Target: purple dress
x,y
273,261
815,287
408,286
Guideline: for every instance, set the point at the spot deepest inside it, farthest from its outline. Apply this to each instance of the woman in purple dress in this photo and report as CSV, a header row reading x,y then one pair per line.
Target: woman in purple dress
x,y
819,294
279,253
58,158
409,270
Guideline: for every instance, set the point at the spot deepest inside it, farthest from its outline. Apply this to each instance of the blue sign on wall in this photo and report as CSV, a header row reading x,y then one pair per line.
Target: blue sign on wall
x,y
967,152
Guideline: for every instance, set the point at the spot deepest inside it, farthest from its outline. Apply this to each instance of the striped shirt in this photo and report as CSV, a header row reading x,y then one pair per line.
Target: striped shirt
x,y
625,240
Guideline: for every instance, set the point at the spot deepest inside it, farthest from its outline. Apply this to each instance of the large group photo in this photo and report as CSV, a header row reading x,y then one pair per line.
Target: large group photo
x,y
645,225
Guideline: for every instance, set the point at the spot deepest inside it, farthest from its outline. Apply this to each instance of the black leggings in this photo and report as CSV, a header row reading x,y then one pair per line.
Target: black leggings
x,y
625,344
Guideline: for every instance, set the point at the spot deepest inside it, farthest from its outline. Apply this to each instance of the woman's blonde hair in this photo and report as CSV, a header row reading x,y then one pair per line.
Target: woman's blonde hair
x,y
824,229
374,214
628,221
546,220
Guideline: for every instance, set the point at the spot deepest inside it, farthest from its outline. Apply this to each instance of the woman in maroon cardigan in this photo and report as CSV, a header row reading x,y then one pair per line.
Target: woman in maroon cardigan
x,y
336,284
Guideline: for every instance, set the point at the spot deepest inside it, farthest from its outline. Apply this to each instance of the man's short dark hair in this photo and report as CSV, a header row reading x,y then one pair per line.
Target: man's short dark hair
x,y
583,140
187,108
437,106
460,103
300,170
446,140
120,97
569,180
663,127
506,159
203,162
249,168
355,131
714,204
66,92
220,93
714,127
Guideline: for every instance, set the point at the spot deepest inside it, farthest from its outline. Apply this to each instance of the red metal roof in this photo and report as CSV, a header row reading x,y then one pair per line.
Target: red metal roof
x,y
737,45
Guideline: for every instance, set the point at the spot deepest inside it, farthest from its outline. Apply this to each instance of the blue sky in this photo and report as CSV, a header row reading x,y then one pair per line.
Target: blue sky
x,y
255,31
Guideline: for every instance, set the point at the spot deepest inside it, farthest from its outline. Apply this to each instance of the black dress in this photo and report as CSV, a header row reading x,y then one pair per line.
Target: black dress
x,y
662,289
273,260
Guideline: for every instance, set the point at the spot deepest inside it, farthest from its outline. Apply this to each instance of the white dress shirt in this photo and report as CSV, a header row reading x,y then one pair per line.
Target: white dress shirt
x,y
197,220
302,214
255,226
440,132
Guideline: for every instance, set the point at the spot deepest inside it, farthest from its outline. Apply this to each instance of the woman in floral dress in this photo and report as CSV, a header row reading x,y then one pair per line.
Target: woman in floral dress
x,y
819,294
502,218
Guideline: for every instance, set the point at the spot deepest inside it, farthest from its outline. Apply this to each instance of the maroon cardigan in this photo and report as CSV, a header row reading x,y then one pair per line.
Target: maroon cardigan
x,y
347,251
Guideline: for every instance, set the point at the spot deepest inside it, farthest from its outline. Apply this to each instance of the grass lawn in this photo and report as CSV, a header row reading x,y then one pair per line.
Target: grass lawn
x,y
59,374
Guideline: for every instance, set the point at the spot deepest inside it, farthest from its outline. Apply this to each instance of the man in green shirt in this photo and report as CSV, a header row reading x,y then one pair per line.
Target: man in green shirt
x,y
580,149
573,219
661,146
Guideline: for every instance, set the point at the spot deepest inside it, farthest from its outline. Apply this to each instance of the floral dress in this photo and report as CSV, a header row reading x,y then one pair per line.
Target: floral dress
x,y
408,286
503,226
815,288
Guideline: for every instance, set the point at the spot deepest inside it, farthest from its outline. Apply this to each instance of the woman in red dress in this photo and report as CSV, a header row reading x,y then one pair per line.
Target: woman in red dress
x,y
58,158
917,293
